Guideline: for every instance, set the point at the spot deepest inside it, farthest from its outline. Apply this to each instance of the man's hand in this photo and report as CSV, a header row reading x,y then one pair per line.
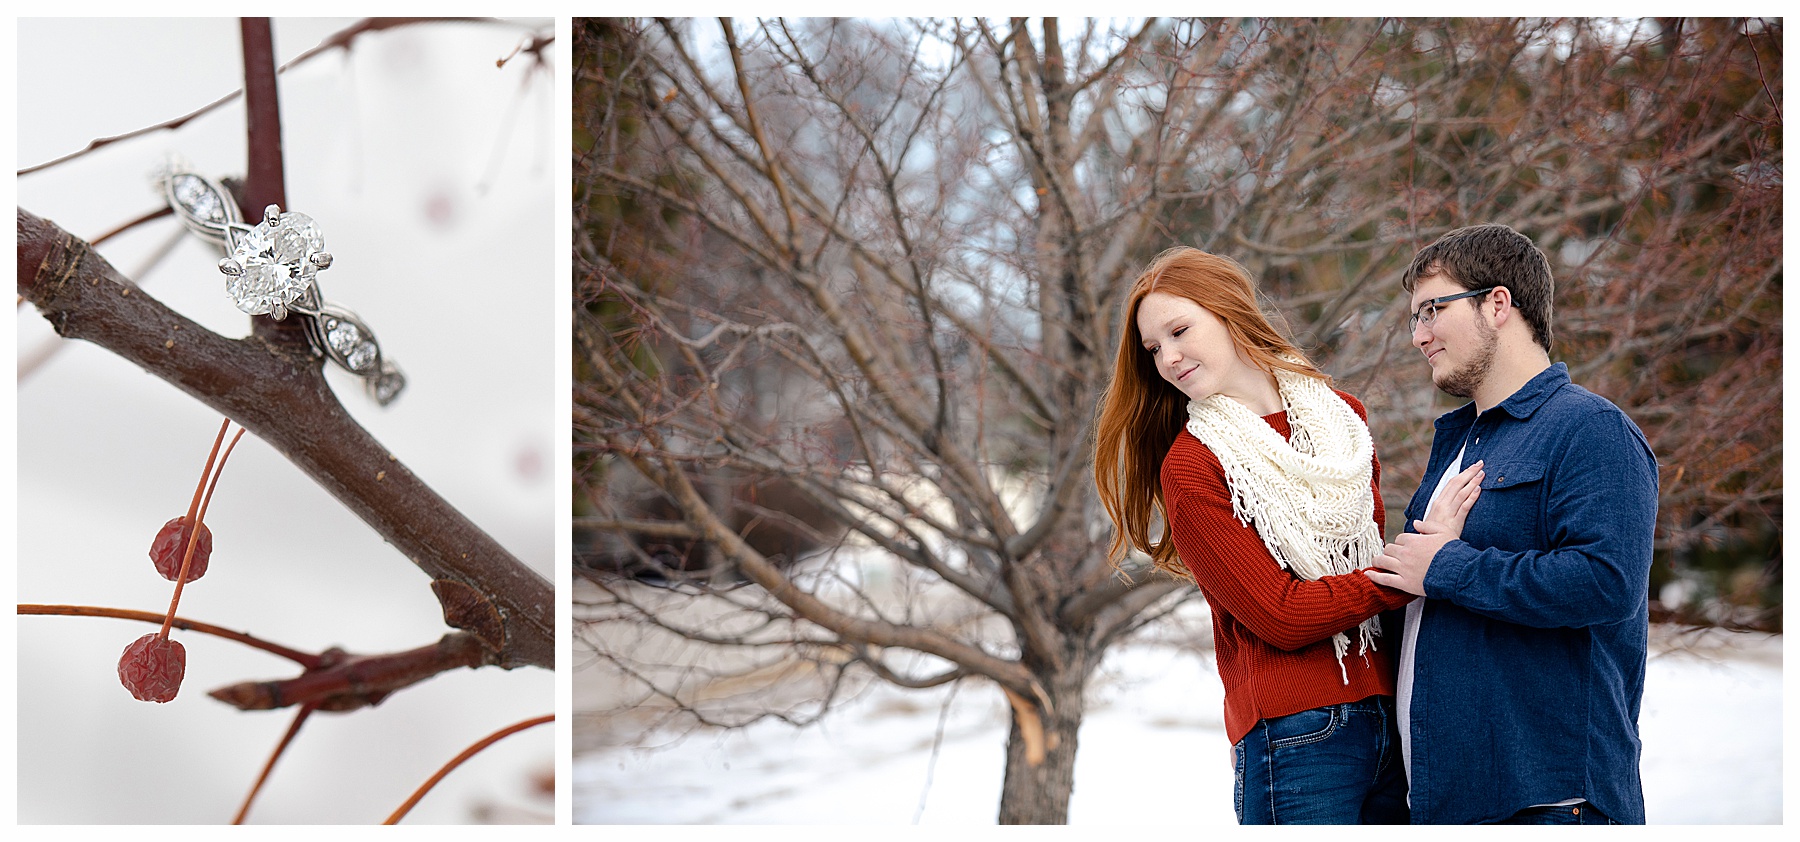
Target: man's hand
x,y
1402,565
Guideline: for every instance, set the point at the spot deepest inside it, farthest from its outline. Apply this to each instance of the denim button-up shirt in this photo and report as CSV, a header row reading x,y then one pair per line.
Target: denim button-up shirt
x,y
1530,658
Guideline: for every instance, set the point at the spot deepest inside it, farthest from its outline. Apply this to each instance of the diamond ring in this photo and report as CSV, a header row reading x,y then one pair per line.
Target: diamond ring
x,y
272,268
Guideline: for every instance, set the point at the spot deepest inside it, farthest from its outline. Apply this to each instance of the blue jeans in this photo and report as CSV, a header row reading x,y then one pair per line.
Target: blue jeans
x,y
1338,764
1583,813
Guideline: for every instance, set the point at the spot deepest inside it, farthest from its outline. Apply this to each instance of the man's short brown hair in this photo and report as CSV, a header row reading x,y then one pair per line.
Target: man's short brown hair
x,y
1492,255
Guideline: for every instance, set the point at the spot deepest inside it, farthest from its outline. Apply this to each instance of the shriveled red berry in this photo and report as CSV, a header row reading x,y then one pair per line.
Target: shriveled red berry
x,y
152,667
166,550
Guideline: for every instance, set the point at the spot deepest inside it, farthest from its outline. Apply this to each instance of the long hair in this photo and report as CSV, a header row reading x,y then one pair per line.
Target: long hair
x,y
1141,413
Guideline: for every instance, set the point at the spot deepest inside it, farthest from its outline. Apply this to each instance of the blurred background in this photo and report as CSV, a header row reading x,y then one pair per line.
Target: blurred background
x,y
428,169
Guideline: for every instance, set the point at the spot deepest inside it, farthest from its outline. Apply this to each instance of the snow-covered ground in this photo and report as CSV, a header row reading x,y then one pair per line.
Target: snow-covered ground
x,y
1153,751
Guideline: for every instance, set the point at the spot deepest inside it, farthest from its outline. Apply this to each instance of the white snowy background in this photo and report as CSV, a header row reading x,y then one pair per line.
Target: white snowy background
x,y
1153,747
431,173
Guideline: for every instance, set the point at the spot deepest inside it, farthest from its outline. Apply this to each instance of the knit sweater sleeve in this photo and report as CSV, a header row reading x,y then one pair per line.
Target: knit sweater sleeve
x,y
1235,570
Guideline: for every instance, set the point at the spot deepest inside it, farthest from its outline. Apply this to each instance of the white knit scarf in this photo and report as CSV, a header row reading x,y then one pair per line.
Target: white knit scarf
x,y
1307,496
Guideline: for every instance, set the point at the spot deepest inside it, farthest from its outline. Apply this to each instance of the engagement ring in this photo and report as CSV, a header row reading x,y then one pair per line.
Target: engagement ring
x,y
272,268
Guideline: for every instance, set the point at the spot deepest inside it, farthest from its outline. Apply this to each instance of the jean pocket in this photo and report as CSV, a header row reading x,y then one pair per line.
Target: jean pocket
x,y
1552,814
1307,726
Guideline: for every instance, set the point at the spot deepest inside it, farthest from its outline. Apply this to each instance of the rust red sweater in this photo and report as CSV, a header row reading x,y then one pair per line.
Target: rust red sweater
x,y
1272,631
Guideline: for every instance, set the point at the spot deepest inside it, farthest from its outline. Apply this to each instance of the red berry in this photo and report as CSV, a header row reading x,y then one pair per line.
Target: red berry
x,y
166,550
152,667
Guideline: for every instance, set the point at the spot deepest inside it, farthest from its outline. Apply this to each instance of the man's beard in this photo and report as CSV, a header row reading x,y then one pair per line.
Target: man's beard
x,y
1466,378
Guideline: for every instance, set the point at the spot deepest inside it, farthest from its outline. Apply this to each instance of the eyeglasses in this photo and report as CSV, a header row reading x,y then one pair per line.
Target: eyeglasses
x,y
1427,312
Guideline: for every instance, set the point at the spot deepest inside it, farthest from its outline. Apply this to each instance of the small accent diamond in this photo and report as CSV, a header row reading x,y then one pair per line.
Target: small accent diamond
x,y
350,342
342,335
360,358
198,197
386,385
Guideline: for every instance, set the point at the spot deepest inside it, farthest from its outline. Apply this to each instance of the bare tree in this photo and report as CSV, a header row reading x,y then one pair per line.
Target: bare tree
x,y
299,573
880,264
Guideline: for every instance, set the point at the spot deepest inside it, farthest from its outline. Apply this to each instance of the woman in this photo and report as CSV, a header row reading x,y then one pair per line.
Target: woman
x,y
1268,489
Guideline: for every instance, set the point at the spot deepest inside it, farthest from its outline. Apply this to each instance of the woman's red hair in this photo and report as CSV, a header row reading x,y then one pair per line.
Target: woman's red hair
x,y
1141,413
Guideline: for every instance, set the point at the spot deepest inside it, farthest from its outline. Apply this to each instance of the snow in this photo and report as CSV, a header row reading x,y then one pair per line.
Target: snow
x,y
1153,750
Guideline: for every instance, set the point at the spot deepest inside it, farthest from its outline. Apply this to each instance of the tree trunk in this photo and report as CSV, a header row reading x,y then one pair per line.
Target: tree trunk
x,y
1040,747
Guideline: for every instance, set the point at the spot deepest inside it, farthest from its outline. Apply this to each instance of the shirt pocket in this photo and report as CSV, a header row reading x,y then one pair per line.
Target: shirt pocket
x,y
1509,512
1510,474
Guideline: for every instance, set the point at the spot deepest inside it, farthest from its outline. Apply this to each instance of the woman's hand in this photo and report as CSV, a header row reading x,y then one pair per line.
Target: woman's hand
x,y
1451,508
1403,564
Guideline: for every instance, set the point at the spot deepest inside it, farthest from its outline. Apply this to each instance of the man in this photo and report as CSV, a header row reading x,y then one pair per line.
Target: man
x,y
1522,669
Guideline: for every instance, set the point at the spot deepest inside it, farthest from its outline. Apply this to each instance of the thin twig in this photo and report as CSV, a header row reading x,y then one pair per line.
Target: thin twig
x,y
192,519
197,521
458,760
304,659
286,737
159,213
340,39
937,744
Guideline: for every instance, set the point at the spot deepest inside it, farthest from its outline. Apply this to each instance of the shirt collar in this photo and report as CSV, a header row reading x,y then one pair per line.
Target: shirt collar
x,y
1520,404
1523,403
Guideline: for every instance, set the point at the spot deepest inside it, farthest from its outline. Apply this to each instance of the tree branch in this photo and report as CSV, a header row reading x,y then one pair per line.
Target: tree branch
x,y
277,390
342,682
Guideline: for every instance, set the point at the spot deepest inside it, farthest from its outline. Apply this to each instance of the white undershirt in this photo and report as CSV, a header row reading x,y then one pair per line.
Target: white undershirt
x,y
1409,641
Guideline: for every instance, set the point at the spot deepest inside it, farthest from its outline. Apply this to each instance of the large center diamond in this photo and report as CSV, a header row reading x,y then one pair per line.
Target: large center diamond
x,y
277,264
